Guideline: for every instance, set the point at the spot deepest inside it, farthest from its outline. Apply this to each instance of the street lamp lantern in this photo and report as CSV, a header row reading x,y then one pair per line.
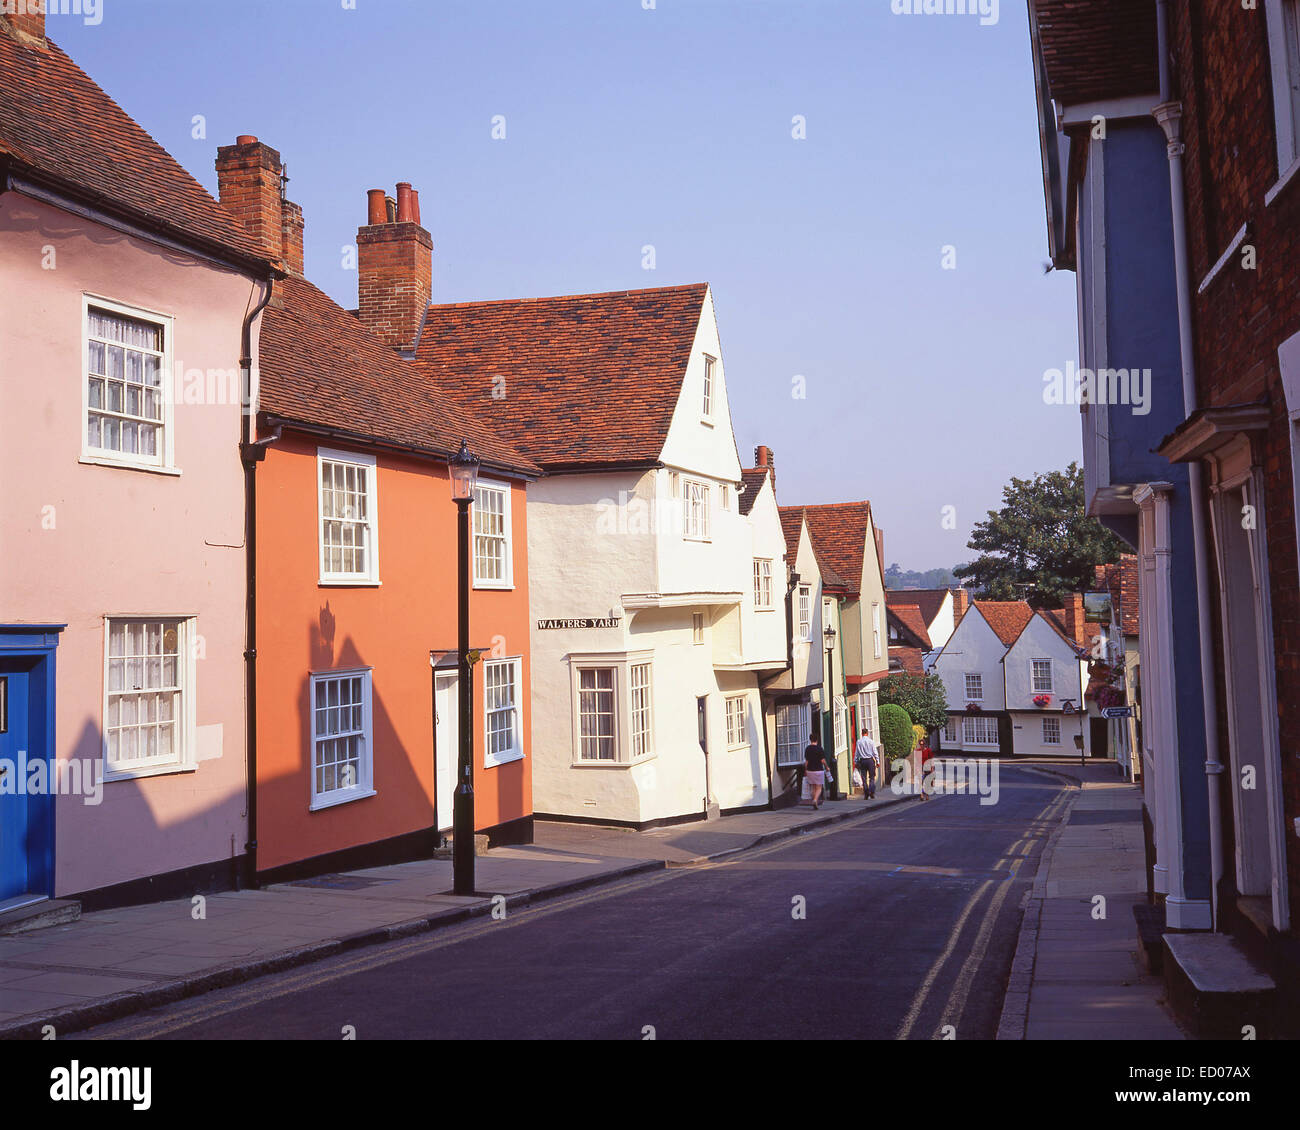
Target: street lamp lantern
x,y
830,638
464,474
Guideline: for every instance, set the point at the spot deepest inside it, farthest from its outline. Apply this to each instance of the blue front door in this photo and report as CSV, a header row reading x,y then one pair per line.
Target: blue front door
x,y
15,809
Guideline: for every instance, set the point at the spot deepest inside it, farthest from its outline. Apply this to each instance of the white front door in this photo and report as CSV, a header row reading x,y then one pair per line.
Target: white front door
x,y
446,745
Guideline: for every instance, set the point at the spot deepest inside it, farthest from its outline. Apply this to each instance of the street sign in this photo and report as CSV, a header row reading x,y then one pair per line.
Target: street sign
x,y
1067,707
1117,712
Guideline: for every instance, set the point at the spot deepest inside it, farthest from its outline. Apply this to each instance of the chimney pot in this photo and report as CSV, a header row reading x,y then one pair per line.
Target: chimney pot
x,y
405,213
415,205
376,209
761,456
245,139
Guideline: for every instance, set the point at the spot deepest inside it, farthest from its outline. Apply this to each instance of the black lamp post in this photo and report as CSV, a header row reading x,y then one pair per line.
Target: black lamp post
x,y
829,636
464,475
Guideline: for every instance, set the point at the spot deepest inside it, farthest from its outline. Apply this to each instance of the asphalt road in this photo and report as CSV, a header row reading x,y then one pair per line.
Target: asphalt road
x,y
899,925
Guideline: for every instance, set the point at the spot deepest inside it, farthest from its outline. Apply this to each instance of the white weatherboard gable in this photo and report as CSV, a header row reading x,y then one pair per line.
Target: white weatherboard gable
x,y
764,632
975,649
1040,640
707,449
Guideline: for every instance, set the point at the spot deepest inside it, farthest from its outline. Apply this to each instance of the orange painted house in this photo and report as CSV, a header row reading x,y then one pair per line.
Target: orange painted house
x,y
356,575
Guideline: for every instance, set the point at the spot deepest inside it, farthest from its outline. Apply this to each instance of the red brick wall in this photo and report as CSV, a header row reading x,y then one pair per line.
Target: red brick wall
x,y
1223,78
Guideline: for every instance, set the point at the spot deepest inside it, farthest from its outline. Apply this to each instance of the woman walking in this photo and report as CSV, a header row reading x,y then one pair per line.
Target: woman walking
x,y
814,764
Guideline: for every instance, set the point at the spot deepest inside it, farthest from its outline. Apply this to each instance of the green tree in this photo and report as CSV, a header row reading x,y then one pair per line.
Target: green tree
x,y
896,732
923,697
1041,544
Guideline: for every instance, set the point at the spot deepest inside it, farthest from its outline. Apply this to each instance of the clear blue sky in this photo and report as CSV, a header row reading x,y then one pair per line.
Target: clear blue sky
x,y
672,127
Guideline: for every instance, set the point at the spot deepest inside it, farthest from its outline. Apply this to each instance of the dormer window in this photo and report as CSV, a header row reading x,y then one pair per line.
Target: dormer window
x,y
706,407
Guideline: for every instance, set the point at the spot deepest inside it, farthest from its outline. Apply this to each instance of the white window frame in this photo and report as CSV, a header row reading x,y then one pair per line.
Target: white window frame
x,y
516,749
805,613
1048,724
966,683
865,713
950,730
1283,22
973,724
695,510
706,404
875,626
763,588
164,461
507,580
840,723
371,575
697,629
1034,678
184,759
621,664
364,785
734,708
642,734
799,726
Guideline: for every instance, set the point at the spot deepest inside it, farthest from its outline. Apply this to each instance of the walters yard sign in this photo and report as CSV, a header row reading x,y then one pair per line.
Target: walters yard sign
x,y
582,622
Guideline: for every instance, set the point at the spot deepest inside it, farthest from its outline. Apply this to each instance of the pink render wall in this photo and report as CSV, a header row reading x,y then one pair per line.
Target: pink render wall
x,y
123,542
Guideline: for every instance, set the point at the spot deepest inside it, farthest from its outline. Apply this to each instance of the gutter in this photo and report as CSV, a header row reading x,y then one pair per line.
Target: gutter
x,y
251,453
1169,115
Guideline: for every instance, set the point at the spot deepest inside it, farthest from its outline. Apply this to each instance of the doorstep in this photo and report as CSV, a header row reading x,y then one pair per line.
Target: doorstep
x,y
1215,988
38,915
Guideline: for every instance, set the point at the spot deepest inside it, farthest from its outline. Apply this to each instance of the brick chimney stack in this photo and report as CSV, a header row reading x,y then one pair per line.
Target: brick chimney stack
x,y
291,225
763,457
960,603
26,18
250,185
1074,620
395,265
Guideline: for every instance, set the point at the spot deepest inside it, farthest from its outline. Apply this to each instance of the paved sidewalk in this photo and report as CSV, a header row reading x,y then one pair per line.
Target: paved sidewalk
x,y
112,963
1076,976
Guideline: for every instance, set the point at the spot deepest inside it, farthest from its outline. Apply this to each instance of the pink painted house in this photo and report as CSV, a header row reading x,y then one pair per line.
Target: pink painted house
x,y
130,299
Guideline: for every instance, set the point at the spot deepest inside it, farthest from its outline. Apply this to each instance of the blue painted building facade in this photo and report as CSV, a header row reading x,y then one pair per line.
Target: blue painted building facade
x,y
1110,220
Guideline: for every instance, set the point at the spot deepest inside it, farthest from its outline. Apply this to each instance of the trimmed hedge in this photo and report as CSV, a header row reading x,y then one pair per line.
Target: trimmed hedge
x,y
896,731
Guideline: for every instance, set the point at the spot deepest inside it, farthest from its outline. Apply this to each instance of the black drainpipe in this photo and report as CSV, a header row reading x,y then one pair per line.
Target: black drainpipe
x,y
251,453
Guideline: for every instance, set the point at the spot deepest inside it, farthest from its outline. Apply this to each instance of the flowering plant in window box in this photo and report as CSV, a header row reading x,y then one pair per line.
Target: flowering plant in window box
x,y
1041,700
973,708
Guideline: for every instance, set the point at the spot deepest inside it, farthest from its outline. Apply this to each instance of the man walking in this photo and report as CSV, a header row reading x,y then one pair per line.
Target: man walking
x,y
867,761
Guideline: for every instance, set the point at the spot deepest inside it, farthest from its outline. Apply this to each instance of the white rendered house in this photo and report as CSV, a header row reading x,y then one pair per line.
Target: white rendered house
x,y
647,643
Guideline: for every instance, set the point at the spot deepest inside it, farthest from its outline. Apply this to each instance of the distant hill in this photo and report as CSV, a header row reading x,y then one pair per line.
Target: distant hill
x,y
898,578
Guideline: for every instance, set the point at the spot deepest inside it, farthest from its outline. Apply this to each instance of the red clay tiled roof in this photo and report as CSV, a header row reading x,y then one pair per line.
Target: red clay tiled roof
x,y
575,381
62,128
791,524
1095,50
909,618
909,659
839,535
1007,618
754,478
929,601
320,366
